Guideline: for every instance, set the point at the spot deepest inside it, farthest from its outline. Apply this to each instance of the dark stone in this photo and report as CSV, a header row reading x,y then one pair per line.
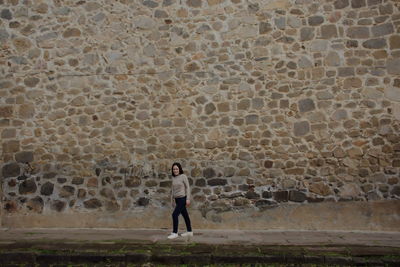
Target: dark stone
x,y
93,203
264,28
281,196
345,71
160,14
374,2
143,201
210,108
363,172
49,175
47,189
252,195
375,43
306,34
24,156
67,191
98,171
58,205
243,187
194,3
301,128
12,183
209,173
268,164
352,44
306,105
31,81
217,181
396,190
133,182
251,119
314,199
267,194
77,180
168,2
151,183
150,4
61,180
165,183
200,182
297,196
315,20
36,204
22,177
27,187
6,14
339,4
11,170
357,3
382,29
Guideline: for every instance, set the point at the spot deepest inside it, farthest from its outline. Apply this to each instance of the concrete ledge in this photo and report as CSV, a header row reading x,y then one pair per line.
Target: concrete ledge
x,y
209,255
353,215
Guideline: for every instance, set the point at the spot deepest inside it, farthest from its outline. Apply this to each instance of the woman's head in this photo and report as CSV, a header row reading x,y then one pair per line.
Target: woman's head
x,y
176,169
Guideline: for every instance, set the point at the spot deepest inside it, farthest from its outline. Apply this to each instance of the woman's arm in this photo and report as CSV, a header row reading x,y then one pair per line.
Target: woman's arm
x,y
187,189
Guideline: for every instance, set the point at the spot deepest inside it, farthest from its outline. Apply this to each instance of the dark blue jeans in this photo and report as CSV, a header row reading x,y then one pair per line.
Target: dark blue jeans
x,y
180,208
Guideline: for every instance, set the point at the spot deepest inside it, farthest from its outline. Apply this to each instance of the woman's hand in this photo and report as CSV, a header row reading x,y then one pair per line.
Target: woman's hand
x,y
188,202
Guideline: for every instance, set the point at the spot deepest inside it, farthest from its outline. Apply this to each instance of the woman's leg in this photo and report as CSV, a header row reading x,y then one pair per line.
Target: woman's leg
x,y
180,204
185,215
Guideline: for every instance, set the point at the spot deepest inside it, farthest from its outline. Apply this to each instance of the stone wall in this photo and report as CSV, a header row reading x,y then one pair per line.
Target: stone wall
x,y
266,103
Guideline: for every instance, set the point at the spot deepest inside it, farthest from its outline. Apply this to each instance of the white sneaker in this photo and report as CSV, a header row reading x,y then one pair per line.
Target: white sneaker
x,y
187,234
173,236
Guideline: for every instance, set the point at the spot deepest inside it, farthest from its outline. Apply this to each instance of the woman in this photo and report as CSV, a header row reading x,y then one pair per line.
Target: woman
x,y
180,191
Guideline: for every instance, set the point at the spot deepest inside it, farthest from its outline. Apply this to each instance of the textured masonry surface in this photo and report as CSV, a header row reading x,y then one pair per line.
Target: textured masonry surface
x,y
263,102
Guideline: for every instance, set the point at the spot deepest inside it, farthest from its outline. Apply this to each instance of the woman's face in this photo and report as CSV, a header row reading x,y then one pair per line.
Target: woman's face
x,y
175,169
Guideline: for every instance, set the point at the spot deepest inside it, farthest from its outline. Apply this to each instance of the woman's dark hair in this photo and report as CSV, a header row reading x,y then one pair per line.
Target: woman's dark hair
x,y
179,166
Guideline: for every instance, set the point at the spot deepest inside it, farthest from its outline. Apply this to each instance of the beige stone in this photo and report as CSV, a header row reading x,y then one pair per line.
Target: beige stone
x,y
26,111
22,44
320,189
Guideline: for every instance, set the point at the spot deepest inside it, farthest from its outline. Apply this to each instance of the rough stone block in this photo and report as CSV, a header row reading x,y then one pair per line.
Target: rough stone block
x,y
329,31
306,105
297,196
47,189
11,146
375,43
6,111
281,196
358,32
301,128
27,187
382,29
340,4
358,3
24,156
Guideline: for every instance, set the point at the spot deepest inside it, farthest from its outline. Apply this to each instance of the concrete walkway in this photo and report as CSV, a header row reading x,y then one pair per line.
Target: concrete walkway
x,y
124,247
225,237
